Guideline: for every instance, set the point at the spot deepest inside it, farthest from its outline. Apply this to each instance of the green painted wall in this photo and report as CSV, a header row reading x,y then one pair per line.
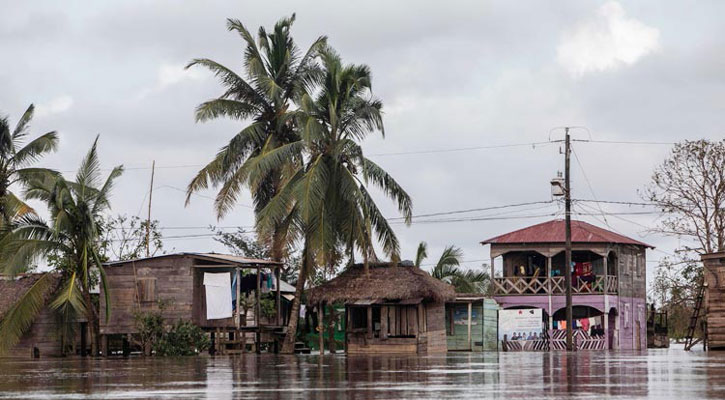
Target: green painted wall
x,y
484,325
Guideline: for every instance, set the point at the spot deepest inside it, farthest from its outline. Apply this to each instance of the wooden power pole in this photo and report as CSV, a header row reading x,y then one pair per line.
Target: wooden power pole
x,y
148,220
567,250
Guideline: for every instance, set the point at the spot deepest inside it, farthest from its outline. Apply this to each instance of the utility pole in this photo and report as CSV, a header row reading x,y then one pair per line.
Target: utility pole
x,y
567,250
148,220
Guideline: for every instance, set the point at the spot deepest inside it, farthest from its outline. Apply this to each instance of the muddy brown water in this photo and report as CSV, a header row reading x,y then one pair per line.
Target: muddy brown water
x,y
657,374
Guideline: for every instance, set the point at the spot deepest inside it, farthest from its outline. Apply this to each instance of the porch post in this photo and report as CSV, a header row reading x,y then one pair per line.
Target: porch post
x,y
470,314
239,294
370,321
548,290
321,326
278,296
605,324
258,311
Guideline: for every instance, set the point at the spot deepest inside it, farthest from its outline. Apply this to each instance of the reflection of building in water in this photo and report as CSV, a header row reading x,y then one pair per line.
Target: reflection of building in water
x,y
608,282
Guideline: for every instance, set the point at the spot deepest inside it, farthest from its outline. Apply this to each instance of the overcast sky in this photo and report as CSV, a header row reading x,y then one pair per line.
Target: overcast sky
x,y
450,74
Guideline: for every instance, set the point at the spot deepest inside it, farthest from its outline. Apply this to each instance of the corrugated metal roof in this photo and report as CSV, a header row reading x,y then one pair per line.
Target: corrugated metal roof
x,y
555,232
226,258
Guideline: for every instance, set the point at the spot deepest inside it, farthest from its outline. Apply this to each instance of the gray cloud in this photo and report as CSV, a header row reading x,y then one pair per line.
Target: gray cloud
x,y
451,74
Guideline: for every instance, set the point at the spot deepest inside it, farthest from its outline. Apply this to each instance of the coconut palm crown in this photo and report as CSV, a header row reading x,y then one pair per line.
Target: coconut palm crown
x,y
17,156
71,236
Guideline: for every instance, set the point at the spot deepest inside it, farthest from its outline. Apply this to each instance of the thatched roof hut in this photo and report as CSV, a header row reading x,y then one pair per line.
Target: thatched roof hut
x,y
395,309
12,289
386,283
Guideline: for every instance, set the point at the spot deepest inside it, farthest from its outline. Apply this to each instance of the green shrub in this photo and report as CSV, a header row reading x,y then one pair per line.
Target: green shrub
x,y
182,339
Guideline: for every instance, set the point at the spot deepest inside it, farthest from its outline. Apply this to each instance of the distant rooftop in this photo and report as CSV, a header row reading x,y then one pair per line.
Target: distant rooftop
x,y
555,232
224,258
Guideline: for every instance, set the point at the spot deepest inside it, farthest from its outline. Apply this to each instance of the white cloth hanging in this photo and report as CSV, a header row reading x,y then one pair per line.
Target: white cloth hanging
x,y
218,287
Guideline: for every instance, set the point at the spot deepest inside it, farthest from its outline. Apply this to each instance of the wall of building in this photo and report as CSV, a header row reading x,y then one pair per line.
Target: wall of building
x,y
43,335
166,279
714,306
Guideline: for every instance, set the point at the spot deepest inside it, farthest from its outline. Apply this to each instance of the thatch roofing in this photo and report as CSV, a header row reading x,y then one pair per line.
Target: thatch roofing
x,y
11,289
385,283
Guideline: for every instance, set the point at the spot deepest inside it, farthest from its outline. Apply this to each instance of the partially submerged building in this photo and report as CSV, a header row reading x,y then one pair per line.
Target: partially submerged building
x,y
206,288
394,309
608,282
44,336
714,302
472,323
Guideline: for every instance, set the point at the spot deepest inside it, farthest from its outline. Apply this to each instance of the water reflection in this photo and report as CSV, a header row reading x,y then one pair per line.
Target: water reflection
x,y
654,374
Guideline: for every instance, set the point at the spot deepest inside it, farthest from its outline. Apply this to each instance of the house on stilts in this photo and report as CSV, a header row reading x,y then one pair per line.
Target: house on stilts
x,y
395,309
608,283
209,289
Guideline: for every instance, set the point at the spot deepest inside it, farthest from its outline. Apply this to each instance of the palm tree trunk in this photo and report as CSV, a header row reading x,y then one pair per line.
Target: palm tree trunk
x,y
92,317
288,346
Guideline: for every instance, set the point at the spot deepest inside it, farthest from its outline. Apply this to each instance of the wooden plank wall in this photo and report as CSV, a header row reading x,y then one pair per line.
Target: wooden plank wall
x,y
715,302
167,279
436,327
43,334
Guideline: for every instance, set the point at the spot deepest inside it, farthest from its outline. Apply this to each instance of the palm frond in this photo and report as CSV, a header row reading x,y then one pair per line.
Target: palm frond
x,y
70,296
20,316
38,147
88,174
421,253
21,127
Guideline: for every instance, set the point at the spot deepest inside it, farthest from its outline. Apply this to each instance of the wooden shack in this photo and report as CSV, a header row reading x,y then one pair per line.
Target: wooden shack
x,y
395,309
176,281
714,274
43,338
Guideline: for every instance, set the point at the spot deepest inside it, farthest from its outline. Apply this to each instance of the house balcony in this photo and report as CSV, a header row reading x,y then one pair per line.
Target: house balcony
x,y
555,285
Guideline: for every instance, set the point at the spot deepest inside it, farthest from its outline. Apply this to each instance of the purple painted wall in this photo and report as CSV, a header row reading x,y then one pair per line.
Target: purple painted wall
x,y
630,313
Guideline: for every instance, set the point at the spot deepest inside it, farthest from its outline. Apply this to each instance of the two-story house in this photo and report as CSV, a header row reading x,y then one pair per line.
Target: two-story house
x,y
608,280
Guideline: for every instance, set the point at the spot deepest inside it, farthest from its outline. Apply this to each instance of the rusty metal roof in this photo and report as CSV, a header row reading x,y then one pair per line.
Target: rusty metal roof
x,y
215,257
555,232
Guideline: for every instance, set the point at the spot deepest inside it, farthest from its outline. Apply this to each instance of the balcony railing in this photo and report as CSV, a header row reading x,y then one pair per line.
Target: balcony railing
x,y
523,285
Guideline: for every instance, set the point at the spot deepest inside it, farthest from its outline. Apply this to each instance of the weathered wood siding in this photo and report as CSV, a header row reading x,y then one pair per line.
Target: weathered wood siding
x,y
43,335
424,324
715,299
167,279
436,327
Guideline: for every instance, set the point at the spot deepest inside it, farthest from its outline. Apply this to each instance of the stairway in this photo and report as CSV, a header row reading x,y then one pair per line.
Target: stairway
x,y
690,341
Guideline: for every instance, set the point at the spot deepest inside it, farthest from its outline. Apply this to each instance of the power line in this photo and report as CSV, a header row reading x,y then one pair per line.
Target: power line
x,y
436,214
429,151
591,189
499,146
624,142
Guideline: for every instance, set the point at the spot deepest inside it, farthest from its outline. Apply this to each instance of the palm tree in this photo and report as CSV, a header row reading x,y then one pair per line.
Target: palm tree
x,y
276,74
16,158
328,196
72,237
447,270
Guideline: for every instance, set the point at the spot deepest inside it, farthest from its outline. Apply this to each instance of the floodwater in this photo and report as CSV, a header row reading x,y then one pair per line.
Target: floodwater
x,y
657,374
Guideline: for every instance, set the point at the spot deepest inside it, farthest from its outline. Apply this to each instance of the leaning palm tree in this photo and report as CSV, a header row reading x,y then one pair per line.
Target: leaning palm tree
x,y
328,195
448,270
72,237
16,158
276,74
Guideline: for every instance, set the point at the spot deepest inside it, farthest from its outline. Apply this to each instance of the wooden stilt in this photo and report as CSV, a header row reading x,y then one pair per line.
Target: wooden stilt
x,y
321,327
258,312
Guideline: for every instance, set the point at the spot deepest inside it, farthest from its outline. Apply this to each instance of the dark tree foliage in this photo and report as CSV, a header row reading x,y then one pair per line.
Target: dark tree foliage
x,y
689,189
